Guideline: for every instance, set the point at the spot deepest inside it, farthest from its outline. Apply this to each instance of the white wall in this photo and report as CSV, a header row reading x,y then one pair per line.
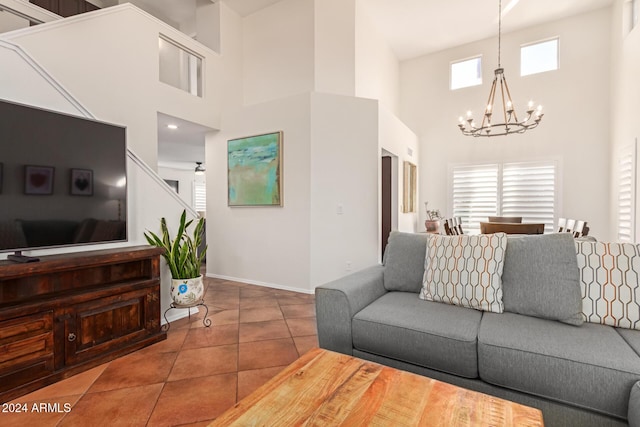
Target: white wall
x,y
185,180
625,90
115,73
575,128
278,51
263,245
344,186
376,66
334,50
396,138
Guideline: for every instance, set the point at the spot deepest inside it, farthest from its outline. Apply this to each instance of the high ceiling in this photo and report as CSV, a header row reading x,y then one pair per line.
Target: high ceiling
x,y
416,27
411,27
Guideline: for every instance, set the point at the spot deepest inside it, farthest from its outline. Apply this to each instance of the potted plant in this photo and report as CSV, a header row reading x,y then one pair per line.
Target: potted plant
x,y
181,254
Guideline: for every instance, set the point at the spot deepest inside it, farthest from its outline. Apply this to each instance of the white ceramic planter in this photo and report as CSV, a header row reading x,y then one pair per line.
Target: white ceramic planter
x,y
187,291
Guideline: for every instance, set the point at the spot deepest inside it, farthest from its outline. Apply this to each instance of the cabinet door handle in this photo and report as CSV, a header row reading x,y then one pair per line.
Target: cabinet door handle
x,y
71,337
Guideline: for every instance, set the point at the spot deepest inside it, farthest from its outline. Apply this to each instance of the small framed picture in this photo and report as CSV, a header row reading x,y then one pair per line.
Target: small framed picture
x,y
38,180
81,182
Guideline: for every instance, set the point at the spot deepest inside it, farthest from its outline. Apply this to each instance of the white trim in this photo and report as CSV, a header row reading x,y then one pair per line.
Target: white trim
x,y
263,284
35,65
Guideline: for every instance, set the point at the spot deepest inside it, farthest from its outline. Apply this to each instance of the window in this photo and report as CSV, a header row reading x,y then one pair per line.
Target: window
x,y
466,73
539,57
626,195
634,13
510,189
199,196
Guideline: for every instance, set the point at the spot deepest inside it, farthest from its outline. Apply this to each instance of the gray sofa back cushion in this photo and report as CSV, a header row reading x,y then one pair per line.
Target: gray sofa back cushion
x,y
541,278
404,261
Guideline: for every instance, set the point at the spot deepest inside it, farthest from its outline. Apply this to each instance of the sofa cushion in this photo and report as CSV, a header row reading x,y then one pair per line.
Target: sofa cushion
x,y
541,279
404,261
634,406
632,337
465,270
400,326
610,280
590,366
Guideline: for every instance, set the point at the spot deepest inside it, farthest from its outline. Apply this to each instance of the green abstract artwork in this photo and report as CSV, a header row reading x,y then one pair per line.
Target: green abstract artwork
x,y
254,171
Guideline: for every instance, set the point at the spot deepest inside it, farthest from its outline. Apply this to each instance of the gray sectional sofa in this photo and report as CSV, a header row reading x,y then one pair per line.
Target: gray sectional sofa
x,y
536,352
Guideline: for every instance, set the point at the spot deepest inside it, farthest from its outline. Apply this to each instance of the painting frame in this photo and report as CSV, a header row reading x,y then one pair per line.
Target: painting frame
x,y
38,180
410,175
255,170
81,182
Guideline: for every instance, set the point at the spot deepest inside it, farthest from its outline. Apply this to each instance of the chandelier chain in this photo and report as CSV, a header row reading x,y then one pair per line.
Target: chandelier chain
x,y
499,29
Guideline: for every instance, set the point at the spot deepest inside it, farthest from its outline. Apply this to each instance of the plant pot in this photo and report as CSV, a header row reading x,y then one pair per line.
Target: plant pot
x,y
432,226
187,292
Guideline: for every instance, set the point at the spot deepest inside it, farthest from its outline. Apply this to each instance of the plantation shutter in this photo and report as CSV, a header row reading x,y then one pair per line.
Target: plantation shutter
x,y
626,195
475,195
529,191
199,196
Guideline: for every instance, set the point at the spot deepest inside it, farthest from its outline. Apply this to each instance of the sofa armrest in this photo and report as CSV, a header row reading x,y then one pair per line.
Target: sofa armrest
x,y
338,301
634,406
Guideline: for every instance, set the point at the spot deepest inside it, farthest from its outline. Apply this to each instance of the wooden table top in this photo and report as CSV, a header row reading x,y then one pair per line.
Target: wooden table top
x,y
323,388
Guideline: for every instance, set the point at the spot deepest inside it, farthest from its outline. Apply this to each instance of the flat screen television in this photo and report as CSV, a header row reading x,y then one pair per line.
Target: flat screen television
x,y
63,180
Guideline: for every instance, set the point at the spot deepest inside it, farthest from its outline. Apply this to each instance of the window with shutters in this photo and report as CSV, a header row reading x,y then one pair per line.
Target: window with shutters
x,y
626,194
199,196
528,190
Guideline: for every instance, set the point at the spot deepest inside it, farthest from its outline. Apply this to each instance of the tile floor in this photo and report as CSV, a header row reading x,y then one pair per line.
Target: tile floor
x,y
195,374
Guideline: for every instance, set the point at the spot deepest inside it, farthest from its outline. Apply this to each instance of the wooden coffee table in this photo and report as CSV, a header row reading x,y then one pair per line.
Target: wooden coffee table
x,y
324,388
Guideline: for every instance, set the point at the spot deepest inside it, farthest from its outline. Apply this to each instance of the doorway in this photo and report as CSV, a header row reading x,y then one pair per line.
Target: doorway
x,y
389,197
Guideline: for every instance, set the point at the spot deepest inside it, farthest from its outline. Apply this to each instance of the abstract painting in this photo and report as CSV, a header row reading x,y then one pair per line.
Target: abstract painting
x,y
254,171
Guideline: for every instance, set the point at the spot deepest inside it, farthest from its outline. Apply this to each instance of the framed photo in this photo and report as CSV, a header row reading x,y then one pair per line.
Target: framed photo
x,y
38,180
81,182
254,170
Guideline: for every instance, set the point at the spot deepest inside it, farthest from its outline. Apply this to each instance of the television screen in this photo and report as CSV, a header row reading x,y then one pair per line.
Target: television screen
x,y
63,179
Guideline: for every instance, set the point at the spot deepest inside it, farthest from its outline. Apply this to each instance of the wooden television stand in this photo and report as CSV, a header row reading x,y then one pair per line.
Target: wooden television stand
x,y
69,313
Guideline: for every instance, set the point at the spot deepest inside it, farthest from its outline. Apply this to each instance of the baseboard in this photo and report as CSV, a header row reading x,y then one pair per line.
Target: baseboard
x,y
178,313
258,283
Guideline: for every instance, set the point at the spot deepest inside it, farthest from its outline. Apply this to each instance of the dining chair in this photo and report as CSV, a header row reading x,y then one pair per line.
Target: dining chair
x,y
453,226
578,228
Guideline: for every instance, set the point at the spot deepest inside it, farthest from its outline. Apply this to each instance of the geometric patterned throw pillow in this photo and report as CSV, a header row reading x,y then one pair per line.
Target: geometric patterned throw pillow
x,y
610,281
465,270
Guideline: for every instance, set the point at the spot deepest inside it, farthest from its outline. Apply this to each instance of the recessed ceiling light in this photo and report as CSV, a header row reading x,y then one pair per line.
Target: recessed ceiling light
x,y
172,126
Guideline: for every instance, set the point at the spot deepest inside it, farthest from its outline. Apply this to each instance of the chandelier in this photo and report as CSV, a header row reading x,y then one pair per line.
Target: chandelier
x,y
510,123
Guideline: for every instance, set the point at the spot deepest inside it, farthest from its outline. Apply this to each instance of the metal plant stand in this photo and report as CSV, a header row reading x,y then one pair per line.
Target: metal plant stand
x,y
206,321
